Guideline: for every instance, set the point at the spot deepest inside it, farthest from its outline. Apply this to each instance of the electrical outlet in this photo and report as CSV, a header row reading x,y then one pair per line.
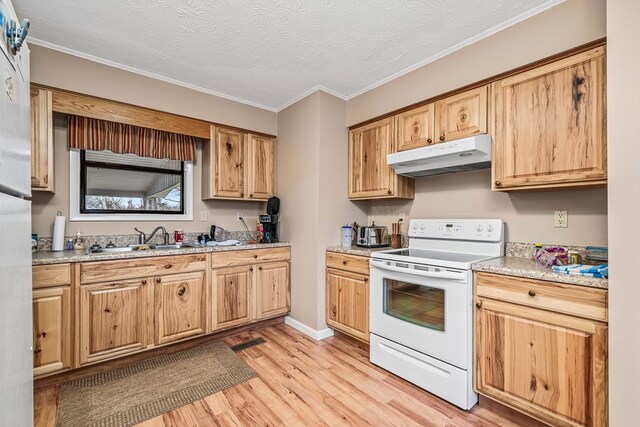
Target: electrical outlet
x,y
239,216
561,219
401,217
203,216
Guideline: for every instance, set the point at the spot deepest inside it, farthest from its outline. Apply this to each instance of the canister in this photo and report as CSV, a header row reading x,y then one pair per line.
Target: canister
x,y
347,236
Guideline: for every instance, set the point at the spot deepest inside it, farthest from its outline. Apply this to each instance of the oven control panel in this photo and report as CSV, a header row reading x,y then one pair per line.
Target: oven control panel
x,y
459,229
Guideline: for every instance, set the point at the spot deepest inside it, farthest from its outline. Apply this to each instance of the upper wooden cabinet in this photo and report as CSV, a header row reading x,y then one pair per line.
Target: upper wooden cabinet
x,y
369,175
238,165
550,126
414,128
454,117
462,115
41,140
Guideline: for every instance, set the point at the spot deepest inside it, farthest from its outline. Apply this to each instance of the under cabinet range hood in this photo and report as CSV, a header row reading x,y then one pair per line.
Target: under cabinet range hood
x,y
466,154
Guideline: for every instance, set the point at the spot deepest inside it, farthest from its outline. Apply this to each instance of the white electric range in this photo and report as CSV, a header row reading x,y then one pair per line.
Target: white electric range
x,y
421,318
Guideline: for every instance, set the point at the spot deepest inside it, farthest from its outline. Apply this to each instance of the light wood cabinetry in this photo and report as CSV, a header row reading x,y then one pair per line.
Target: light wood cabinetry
x,y
347,293
238,165
457,116
52,343
462,115
42,177
369,175
249,285
113,319
541,348
180,306
550,127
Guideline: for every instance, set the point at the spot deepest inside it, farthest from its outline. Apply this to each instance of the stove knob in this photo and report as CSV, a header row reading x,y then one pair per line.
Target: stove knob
x,y
490,228
479,227
415,226
422,227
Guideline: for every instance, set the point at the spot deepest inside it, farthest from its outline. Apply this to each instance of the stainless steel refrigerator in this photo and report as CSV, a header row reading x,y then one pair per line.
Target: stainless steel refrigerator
x,y
16,359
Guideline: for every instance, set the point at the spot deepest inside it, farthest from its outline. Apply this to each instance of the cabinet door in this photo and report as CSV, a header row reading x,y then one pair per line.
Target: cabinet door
x,y
415,128
550,125
462,115
41,140
51,330
223,164
261,166
272,289
180,306
348,303
113,319
232,297
549,365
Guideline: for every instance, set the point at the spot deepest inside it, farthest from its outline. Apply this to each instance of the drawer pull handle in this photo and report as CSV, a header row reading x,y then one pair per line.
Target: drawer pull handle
x,y
344,262
255,256
479,304
532,293
158,280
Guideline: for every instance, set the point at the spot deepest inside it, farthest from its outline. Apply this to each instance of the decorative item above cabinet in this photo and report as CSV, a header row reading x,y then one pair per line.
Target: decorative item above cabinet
x,y
238,165
370,177
550,127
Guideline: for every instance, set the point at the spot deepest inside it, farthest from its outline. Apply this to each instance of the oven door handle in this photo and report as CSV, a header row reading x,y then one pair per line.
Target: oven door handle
x,y
446,274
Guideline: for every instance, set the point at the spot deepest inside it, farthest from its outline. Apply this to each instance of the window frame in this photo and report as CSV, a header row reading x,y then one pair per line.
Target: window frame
x,y
77,167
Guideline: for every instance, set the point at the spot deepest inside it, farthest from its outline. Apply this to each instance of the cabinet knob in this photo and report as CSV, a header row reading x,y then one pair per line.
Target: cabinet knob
x,y
260,268
241,194
158,280
255,256
344,262
532,293
479,304
250,268
429,141
366,279
498,183
441,137
144,281
250,195
389,191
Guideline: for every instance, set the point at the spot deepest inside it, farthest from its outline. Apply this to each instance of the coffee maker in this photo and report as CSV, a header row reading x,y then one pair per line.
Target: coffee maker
x,y
270,221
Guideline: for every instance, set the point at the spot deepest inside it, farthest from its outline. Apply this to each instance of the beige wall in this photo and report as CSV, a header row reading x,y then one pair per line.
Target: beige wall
x,y
312,180
57,69
45,205
623,69
529,216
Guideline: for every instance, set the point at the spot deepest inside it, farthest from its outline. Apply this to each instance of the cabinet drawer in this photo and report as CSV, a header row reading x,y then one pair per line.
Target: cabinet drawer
x,y
45,276
100,271
356,264
575,300
250,256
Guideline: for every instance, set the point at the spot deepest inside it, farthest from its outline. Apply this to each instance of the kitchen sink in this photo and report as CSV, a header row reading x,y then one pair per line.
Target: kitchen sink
x,y
132,248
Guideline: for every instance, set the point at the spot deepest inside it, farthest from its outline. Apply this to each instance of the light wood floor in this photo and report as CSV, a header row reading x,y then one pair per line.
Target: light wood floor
x,y
303,383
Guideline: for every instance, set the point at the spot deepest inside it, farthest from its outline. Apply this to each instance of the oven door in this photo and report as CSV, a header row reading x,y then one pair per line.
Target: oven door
x,y
425,308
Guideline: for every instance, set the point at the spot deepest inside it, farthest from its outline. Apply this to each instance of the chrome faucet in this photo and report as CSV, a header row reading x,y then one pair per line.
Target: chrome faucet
x,y
143,239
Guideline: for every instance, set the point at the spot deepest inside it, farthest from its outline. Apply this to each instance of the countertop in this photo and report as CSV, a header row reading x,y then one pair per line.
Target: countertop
x,y
356,250
42,258
526,267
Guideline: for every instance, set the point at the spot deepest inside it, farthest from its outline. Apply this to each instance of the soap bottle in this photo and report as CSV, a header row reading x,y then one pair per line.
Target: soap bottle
x,y
78,242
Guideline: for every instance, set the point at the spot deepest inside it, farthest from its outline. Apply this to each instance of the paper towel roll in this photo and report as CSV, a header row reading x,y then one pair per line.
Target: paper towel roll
x,y
58,232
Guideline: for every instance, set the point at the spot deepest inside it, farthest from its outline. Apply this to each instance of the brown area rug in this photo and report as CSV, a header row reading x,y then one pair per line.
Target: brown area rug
x,y
130,395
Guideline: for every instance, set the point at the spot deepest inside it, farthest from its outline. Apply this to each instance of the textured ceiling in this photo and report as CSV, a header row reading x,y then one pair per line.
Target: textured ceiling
x,y
270,52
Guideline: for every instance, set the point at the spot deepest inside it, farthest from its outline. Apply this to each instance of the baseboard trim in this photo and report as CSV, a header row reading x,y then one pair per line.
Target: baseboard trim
x,y
308,331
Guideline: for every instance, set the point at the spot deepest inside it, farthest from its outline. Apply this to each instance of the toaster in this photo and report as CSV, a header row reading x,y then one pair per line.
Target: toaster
x,y
372,237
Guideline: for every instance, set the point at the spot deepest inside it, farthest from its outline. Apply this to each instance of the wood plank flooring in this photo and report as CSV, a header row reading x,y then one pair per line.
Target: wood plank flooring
x,y
307,383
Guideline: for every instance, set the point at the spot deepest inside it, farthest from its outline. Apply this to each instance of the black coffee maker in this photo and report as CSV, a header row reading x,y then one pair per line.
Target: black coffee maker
x,y
270,221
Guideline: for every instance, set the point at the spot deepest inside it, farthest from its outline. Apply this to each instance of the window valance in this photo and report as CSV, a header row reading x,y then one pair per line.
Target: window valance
x,y
86,133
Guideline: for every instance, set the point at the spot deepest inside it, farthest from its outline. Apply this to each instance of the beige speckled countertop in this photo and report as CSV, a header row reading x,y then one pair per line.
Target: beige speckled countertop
x,y
41,258
526,267
356,250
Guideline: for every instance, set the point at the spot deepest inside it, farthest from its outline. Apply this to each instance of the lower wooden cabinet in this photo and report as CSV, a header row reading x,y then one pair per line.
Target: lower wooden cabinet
x,y
347,307
232,297
545,363
113,319
272,290
180,307
51,330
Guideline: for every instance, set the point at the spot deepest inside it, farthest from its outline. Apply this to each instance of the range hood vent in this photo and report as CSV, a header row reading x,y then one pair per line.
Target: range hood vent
x,y
462,155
